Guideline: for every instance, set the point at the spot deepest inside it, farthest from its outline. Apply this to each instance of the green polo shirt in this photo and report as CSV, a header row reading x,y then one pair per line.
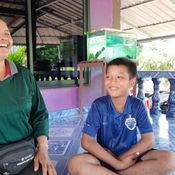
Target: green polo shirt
x,y
22,108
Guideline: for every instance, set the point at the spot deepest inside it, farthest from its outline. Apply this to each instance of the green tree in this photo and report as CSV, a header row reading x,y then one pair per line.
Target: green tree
x,y
156,55
47,52
18,56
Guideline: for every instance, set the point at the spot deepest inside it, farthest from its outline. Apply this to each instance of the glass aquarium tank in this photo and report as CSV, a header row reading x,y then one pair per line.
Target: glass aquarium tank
x,y
108,44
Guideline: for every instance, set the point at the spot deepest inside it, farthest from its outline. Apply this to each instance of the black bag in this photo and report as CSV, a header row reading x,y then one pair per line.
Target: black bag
x,y
16,156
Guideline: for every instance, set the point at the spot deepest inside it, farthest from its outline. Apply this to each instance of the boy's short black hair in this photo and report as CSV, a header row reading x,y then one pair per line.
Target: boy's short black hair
x,y
131,65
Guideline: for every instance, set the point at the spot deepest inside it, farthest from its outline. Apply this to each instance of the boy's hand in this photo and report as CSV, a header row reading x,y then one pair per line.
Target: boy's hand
x,y
123,156
127,161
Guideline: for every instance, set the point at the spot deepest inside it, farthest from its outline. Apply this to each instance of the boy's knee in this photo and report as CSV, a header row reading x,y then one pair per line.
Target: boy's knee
x,y
78,164
72,164
75,164
168,159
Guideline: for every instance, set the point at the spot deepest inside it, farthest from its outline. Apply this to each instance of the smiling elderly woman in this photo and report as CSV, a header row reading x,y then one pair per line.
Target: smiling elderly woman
x,y
22,110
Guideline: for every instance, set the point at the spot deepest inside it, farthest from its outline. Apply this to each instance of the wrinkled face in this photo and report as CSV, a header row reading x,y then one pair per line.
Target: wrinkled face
x,y
118,81
5,40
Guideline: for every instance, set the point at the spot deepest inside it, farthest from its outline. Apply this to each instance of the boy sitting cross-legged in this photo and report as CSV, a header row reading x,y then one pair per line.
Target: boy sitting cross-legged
x,y
114,120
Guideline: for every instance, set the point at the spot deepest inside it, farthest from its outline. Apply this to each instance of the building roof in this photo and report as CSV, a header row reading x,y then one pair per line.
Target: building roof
x,y
57,19
150,19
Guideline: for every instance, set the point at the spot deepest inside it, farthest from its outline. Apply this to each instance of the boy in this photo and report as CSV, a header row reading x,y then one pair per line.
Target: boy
x,y
115,120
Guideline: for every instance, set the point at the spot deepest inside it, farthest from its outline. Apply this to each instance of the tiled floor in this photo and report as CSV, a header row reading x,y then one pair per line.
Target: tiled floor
x,y
65,132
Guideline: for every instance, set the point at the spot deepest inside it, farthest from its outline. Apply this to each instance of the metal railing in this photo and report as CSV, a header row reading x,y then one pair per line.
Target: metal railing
x,y
156,76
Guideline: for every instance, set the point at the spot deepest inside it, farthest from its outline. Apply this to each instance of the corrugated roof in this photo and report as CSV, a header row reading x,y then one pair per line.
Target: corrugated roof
x,y
148,18
57,19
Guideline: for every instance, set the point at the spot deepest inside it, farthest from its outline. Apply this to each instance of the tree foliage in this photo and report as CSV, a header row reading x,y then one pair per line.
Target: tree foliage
x,y
157,55
18,56
47,52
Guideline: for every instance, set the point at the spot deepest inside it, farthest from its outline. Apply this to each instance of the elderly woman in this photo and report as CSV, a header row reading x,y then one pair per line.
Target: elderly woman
x,y
22,110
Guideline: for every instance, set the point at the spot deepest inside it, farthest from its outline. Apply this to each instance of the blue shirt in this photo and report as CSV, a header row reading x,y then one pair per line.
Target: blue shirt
x,y
114,130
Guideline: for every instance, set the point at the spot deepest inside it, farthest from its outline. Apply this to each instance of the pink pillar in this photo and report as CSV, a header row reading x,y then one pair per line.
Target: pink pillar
x,y
104,14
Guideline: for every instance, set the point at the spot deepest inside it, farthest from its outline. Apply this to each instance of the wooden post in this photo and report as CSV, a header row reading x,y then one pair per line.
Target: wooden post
x,y
90,64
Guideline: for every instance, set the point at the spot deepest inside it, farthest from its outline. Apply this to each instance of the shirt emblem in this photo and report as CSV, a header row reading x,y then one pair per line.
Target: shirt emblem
x,y
130,122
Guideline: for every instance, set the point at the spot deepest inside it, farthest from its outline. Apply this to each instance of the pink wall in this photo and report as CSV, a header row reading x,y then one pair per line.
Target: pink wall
x,y
93,91
60,98
100,14
68,97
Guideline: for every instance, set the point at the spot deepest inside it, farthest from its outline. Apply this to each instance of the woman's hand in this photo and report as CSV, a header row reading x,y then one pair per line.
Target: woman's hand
x,y
42,159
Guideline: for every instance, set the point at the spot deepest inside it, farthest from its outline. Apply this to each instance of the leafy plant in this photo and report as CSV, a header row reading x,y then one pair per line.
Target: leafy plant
x,y
157,55
18,55
47,52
